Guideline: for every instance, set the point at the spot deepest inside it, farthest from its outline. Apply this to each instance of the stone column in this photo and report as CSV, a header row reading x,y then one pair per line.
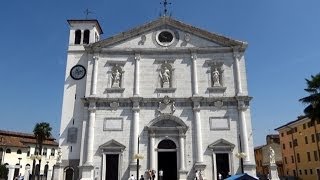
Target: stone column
x,y
135,129
242,107
136,75
151,150
94,75
182,159
11,171
197,128
194,74
49,175
27,173
237,58
92,118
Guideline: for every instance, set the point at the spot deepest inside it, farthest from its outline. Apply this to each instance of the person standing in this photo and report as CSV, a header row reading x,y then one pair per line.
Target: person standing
x,y
160,174
141,177
132,177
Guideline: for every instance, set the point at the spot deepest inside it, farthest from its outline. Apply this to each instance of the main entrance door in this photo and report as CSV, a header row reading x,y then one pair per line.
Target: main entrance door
x,y
112,164
167,160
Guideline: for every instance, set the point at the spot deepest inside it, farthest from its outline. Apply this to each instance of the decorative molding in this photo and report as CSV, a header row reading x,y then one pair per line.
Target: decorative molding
x,y
166,90
115,90
216,89
116,62
114,105
204,102
219,123
167,106
72,135
221,145
113,124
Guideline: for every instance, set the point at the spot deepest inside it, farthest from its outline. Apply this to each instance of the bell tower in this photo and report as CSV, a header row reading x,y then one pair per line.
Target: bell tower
x,y
84,31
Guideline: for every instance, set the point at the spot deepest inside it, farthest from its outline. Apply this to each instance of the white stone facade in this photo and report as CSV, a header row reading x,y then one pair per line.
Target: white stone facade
x,y
202,114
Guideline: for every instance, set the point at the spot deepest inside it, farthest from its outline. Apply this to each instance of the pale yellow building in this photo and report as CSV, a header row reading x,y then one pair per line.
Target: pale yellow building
x,y
300,142
19,149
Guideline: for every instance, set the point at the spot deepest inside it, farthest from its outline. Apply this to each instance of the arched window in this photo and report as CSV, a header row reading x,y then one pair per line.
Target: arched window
x,y
37,169
44,152
86,35
167,144
69,173
28,152
46,167
52,152
77,38
8,151
19,151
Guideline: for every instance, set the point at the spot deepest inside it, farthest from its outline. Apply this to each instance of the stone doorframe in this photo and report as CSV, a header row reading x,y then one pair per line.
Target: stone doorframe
x,y
221,146
110,147
167,126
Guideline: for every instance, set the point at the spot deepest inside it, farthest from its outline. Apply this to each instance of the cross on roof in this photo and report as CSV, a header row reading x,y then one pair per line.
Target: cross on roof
x,y
165,4
87,12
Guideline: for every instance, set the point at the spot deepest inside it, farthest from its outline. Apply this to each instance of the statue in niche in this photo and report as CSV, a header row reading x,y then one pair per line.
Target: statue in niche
x,y
116,78
272,156
216,77
165,76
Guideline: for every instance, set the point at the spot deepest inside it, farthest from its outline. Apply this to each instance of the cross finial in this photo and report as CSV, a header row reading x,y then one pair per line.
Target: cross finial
x,y
165,4
87,12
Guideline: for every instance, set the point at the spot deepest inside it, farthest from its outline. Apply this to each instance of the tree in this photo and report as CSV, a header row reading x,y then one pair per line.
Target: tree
x,y
3,172
42,131
313,100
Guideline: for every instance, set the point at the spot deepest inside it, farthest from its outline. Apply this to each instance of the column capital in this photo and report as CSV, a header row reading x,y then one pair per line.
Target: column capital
x,y
137,56
92,106
95,57
242,105
193,55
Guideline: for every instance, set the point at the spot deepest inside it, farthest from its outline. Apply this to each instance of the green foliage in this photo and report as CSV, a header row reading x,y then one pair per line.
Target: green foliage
x,y
42,131
313,100
3,171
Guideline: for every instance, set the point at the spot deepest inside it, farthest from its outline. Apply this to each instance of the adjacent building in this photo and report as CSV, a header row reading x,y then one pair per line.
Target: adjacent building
x,y
262,156
300,144
19,149
168,94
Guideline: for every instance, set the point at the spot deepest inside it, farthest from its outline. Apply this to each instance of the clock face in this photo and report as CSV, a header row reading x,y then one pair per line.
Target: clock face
x,y
78,72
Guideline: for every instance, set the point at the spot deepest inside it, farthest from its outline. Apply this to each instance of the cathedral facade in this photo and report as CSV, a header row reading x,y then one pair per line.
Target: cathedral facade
x,y
162,97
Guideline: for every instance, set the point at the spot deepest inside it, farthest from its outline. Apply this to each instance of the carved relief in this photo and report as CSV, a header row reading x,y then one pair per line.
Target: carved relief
x,y
116,77
167,106
165,75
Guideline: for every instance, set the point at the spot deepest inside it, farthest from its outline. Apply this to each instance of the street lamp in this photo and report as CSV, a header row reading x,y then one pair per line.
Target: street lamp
x,y
138,157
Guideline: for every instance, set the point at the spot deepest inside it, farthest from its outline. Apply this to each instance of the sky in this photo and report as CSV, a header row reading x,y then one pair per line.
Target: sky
x,y
283,38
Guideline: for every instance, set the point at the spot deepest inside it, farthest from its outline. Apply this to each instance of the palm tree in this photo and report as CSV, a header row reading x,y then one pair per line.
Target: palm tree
x,y
42,131
312,101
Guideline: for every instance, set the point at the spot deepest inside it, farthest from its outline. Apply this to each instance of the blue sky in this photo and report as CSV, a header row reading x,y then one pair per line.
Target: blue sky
x,y
283,39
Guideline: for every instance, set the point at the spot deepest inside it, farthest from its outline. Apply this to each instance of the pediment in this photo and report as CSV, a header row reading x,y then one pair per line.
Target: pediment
x,y
112,145
134,37
220,145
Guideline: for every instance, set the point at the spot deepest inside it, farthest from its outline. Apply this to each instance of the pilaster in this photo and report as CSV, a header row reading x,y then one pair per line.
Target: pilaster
x,y
92,117
194,74
94,75
242,107
136,74
237,57
198,133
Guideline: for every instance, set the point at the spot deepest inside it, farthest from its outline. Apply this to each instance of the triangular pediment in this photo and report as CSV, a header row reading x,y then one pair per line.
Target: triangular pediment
x,y
170,23
112,145
221,144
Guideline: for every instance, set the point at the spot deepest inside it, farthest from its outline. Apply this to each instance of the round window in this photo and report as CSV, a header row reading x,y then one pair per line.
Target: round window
x,y
165,37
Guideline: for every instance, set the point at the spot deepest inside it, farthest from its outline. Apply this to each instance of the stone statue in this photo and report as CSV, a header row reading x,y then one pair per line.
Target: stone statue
x,y
165,76
216,77
271,156
116,78
59,155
